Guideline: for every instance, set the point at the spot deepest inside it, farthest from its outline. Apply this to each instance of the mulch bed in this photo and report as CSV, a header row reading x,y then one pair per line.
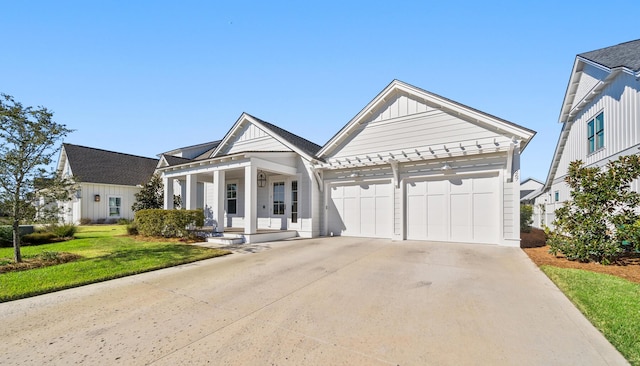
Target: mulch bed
x,y
31,263
533,243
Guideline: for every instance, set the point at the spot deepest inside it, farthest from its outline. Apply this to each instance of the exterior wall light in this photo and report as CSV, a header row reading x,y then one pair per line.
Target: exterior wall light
x,y
262,179
96,198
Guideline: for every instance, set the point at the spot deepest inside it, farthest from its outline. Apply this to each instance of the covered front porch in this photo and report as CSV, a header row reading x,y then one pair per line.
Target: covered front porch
x,y
253,194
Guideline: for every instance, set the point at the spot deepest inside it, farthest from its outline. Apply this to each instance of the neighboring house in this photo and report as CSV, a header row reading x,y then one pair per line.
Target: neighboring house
x,y
410,165
107,180
600,119
529,189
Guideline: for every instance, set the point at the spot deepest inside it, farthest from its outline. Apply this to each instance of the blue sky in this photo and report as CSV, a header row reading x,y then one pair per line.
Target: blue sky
x,y
143,77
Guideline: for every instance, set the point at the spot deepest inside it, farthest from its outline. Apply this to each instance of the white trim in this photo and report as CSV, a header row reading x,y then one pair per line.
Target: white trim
x,y
109,206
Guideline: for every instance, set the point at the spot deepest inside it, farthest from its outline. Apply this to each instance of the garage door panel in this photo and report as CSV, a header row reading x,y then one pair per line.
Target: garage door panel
x,y
461,209
383,217
436,218
484,223
460,217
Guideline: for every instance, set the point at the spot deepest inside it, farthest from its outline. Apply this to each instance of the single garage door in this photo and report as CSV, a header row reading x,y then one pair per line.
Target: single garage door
x,y
364,209
457,209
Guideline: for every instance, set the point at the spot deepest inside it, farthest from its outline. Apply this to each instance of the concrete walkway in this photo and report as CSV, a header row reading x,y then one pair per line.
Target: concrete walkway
x,y
328,301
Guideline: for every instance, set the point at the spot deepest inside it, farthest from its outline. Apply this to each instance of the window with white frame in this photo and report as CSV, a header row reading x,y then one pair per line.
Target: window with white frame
x,y
294,201
595,133
278,198
556,196
232,198
115,206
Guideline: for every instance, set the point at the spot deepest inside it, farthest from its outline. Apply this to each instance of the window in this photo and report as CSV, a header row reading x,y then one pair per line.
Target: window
x,y
278,198
232,198
556,196
294,201
595,133
115,204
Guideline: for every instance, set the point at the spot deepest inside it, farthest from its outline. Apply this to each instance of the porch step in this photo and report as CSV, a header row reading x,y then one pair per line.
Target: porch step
x,y
227,239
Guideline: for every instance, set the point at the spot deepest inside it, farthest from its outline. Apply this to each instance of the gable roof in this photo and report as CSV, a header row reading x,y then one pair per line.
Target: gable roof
x,y
93,165
611,59
294,142
625,54
433,100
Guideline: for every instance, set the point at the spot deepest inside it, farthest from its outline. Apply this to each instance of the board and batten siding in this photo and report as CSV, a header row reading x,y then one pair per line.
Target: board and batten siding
x,y
253,138
92,210
620,102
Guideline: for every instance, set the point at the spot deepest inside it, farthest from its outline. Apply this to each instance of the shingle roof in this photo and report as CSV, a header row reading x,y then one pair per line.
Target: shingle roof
x,y
93,165
622,55
175,160
301,143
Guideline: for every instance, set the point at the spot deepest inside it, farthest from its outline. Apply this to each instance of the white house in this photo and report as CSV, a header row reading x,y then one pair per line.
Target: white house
x,y
107,180
600,119
529,189
410,165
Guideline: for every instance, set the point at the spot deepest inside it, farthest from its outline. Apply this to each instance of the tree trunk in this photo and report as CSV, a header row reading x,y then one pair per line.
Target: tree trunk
x,y
17,256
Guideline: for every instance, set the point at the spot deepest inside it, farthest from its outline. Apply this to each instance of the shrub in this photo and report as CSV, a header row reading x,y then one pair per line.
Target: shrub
x,y
132,229
167,223
593,224
526,212
6,234
124,221
64,231
85,221
39,238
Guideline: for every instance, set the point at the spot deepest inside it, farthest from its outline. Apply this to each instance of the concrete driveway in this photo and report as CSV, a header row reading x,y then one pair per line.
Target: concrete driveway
x,y
319,301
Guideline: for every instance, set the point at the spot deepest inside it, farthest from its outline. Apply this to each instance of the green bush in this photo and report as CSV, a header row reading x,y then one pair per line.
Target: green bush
x,y
132,229
39,238
6,234
64,231
124,221
167,223
601,214
526,212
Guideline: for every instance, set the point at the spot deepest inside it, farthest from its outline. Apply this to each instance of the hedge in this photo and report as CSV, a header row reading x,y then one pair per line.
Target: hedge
x,y
6,234
167,223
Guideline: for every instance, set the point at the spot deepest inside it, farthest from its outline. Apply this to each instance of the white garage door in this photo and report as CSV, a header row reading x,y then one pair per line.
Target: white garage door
x,y
363,209
456,209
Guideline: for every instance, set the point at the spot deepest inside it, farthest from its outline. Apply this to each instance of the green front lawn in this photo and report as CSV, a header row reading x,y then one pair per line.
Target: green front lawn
x,y
612,304
106,254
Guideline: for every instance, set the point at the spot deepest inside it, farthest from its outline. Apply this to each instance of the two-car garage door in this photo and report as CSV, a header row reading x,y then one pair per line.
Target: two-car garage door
x,y
461,209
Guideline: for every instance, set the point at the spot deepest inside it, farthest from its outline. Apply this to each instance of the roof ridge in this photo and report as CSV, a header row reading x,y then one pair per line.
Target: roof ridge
x,y
282,131
109,151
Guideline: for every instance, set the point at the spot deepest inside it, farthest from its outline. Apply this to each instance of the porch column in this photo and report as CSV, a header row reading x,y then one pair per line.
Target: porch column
x,y
250,200
168,193
191,190
218,199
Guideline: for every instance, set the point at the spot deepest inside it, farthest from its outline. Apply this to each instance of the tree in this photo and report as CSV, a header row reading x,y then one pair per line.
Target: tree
x,y
593,224
151,195
27,144
526,212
